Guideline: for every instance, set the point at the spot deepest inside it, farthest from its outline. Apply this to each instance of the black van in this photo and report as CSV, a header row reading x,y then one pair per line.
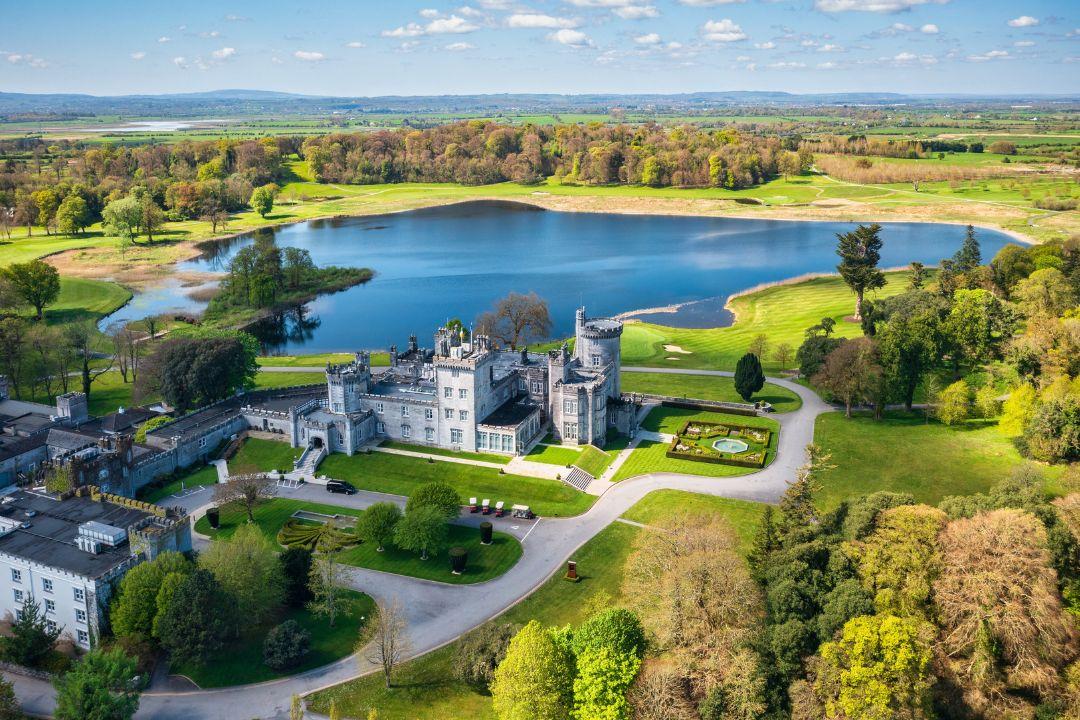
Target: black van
x,y
340,486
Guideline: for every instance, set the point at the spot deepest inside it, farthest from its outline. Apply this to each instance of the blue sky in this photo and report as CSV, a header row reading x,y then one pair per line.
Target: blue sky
x,y
368,47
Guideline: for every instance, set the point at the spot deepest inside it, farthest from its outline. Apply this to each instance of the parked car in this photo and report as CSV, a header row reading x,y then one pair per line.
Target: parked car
x,y
340,486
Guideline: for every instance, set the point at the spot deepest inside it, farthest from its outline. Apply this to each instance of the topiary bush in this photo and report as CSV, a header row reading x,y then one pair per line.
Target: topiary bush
x,y
285,646
315,536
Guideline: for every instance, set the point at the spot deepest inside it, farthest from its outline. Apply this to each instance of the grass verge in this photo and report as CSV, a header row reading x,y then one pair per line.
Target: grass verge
x,y
705,387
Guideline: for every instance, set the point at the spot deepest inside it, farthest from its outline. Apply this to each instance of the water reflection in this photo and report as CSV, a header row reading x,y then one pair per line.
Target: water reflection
x,y
292,327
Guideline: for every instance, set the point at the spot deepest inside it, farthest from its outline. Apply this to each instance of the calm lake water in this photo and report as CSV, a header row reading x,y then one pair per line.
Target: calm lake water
x,y
454,261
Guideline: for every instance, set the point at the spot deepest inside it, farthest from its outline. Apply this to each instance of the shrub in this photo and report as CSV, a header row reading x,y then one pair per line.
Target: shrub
x,y
480,652
285,646
618,629
314,536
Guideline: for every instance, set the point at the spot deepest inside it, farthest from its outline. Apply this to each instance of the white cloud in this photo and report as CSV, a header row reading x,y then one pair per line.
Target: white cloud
x,y
539,20
905,57
830,65
26,59
236,18
987,56
637,12
454,24
164,39
180,61
410,30
494,4
709,3
785,65
769,45
929,29
309,55
1023,21
459,46
722,31
572,38
603,3
138,55
743,58
648,39
901,27
830,48
355,44
224,53
470,12
210,34
1024,43
429,13
877,6
408,45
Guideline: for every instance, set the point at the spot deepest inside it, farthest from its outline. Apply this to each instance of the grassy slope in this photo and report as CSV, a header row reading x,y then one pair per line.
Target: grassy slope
x,y
425,689
383,472
702,387
205,475
781,312
482,457
258,455
242,662
904,453
82,299
484,563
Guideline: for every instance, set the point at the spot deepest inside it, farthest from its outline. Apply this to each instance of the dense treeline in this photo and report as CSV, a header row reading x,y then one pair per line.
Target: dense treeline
x,y
66,188
479,152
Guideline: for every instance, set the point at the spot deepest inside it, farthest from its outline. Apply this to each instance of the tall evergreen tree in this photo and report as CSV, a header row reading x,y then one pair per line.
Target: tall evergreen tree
x,y
860,253
969,256
749,377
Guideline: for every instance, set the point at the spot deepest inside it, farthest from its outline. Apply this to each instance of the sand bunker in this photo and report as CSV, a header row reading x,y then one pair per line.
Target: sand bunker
x,y
676,349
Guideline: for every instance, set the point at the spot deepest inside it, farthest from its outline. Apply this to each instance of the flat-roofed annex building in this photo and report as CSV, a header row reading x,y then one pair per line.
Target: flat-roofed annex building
x,y
68,554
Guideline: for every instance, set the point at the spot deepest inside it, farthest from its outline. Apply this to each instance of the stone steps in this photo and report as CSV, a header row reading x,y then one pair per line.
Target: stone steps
x,y
578,478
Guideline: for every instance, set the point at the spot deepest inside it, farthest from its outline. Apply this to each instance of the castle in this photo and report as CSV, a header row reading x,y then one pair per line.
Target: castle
x,y
467,395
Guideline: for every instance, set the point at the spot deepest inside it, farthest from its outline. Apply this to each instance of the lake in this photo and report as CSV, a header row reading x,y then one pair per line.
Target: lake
x,y
455,261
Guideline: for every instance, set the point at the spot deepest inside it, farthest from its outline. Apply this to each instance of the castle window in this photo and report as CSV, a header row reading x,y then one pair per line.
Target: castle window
x,y
380,428
429,414
18,595
379,407
16,575
463,393
481,440
404,411
537,386
463,415
429,434
406,431
51,625
80,595
570,431
337,407
50,606
508,443
84,637
202,442
46,585
455,436
448,413
80,615
570,407
448,392
454,372
596,360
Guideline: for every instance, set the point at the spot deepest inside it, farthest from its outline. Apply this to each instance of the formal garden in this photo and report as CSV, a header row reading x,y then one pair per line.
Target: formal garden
x,y
726,444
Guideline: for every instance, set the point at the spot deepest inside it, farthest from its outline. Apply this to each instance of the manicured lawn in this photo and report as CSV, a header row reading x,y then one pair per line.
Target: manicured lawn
x,y
280,380
594,461
782,313
651,456
242,661
400,475
82,299
426,687
320,359
554,455
704,387
662,504
484,457
904,453
485,561
205,475
258,455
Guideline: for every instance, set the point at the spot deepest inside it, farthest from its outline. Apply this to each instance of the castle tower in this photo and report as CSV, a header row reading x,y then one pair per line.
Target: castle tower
x,y
346,383
597,345
72,407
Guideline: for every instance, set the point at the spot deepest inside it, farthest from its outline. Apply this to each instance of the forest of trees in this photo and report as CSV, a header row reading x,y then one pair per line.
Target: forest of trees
x,y
478,152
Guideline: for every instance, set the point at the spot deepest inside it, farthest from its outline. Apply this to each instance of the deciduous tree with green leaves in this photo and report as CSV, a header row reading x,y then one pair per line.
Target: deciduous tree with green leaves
x,y
36,282
247,567
535,681
377,523
101,686
439,495
423,530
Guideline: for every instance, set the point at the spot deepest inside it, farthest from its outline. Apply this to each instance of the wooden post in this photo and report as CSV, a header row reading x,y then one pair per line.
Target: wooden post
x,y
571,570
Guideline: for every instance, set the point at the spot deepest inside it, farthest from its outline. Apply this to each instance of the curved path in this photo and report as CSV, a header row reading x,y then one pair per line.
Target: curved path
x,y
438,613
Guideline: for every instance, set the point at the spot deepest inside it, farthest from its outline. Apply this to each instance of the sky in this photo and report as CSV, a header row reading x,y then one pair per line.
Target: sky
x,y
427,47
